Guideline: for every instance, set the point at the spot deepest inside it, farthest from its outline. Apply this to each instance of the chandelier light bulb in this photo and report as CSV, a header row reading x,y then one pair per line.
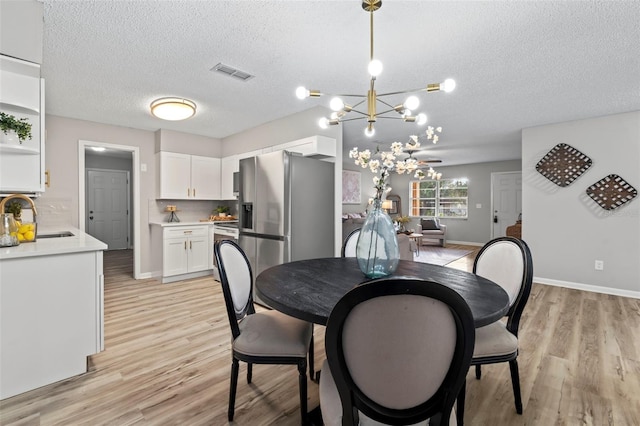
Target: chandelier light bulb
x,y
336,104
375,68
421,119
448,85
302,92
412,103
369,131
406,113
323,123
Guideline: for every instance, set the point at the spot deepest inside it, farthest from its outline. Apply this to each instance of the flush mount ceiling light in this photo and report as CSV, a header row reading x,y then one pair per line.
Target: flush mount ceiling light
x,y
173,109
403,111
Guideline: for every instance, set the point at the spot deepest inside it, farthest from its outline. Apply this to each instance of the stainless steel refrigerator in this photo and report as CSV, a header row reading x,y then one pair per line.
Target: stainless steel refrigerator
x,y
286,205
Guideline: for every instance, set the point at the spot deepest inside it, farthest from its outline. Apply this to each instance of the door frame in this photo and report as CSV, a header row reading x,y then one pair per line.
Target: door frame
x,y
135,168
93,169
493,176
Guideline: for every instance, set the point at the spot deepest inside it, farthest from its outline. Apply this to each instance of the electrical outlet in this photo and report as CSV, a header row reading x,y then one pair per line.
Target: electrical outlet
x,y
599,265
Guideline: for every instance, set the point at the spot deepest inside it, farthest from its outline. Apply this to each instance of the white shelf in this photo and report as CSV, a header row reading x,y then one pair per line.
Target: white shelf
x,y
18,109
18,149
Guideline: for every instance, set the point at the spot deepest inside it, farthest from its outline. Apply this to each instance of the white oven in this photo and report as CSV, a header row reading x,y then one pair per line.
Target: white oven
x,y
222,231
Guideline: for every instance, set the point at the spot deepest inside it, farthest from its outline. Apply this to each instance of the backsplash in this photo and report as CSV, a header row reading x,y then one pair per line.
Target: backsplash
x,y
54,212
188,210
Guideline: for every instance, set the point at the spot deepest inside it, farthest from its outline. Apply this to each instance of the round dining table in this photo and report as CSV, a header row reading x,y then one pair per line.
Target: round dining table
x,y
309,289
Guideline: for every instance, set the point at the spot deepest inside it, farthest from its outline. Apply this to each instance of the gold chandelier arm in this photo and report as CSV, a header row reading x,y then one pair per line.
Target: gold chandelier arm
x,y
434,87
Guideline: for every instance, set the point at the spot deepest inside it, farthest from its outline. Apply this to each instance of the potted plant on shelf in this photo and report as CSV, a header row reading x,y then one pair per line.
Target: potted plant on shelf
x,y
14,127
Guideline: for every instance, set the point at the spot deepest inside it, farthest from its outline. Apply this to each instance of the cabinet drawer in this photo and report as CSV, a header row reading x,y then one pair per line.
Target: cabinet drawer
x,y
186,231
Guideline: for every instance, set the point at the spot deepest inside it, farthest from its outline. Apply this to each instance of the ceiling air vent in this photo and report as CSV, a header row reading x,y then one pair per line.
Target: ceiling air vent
x,y
232,72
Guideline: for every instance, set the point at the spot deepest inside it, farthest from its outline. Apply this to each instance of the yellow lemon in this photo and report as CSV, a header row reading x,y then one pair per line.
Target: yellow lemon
x,y
29,236
13,234
31,227
23,229
20,237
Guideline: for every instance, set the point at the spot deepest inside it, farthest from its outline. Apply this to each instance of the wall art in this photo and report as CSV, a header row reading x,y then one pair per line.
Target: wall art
x,y
611,192
563,164
351,187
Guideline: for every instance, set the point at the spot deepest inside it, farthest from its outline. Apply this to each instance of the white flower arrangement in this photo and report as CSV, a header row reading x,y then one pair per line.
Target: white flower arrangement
x,y
388,161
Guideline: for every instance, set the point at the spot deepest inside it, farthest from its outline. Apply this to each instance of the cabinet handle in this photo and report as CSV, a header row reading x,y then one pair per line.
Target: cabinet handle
x,y
47,178
188,192
194,192
190,245
185,245
187,232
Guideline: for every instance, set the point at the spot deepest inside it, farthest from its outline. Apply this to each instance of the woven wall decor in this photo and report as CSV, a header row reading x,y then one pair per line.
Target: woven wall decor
x,y
563,164
611,192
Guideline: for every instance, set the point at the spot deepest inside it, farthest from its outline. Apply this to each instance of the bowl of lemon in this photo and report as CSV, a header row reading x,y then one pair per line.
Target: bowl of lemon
x,y
26,232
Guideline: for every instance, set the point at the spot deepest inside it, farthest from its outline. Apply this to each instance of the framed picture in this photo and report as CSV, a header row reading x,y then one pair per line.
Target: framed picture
x,y
396,207
351,192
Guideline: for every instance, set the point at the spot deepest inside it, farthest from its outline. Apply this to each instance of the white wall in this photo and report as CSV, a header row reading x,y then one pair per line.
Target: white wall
x,y
565,229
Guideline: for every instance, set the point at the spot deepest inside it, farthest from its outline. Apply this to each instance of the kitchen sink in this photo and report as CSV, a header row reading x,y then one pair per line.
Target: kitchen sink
x,y
55,235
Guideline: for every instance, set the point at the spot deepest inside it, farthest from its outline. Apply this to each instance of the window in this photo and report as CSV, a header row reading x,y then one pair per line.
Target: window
x,y
441,198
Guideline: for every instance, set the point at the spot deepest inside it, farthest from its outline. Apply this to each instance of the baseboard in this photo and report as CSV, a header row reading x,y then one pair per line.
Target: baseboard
x,y
588,287
465,243
145,276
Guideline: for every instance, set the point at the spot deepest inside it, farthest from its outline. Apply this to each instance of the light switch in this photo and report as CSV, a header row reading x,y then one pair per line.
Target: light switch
x,y
143,167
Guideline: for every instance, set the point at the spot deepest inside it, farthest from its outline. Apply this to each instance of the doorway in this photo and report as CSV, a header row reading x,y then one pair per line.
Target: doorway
x,y
132,153
108,207
506,201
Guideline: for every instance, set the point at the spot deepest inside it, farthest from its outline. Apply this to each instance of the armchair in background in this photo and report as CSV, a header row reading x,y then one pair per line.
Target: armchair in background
x,y
431,229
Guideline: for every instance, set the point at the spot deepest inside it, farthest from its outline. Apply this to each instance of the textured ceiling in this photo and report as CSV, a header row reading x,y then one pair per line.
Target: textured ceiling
x,y
516,64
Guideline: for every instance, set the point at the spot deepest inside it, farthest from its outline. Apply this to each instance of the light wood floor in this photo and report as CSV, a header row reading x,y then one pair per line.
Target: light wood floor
x,y
167,362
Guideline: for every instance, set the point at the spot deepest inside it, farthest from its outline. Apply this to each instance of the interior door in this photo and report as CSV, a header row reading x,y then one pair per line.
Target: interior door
x,y
506,196
108,207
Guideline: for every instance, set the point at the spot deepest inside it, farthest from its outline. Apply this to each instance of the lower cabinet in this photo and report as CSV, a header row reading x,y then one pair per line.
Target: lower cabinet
x,y
185,250
51,318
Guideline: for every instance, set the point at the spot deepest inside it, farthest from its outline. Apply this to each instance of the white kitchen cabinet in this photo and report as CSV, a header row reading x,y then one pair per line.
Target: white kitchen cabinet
x,y
185,250
51,315
313,146
22,95
21,30
188,177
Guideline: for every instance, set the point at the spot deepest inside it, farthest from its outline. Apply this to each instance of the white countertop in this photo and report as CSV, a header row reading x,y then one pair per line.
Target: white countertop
x,y
208,222
80,242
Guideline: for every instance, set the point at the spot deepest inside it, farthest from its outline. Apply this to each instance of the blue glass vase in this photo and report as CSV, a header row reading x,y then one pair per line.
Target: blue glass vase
x,y
377,250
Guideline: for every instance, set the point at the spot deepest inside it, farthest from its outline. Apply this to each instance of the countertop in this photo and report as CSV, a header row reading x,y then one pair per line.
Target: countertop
x,y
192,223
80,242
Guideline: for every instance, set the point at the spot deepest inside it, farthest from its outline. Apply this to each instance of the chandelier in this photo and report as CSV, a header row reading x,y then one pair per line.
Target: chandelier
x,y
403,111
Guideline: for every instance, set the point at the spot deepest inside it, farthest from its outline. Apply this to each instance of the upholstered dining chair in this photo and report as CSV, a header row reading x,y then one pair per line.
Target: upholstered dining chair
x,y
506,261
349,244
397,353
266,337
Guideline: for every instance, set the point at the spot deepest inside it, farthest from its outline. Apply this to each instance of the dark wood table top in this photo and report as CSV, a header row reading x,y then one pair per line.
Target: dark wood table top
x,y
309,289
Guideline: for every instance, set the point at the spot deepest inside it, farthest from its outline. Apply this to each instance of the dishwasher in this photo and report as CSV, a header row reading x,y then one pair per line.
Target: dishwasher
x,y
222,231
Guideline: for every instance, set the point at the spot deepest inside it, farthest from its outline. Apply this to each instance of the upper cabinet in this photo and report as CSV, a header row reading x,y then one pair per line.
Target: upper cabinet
x,y
21,30
313,146
188,177
22,96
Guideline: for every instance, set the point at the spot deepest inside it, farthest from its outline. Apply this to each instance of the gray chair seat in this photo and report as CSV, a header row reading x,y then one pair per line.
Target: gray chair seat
x,y
494,340
272,333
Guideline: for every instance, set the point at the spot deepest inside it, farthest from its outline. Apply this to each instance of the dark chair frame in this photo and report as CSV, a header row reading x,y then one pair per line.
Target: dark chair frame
x,y
438,407
249,309
513,322
344,243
